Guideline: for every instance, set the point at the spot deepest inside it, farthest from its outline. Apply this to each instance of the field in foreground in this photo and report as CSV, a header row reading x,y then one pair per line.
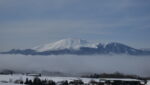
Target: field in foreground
x,y
10,79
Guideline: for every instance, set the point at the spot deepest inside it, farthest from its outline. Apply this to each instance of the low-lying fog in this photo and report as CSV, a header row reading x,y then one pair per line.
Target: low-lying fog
x,y
139,65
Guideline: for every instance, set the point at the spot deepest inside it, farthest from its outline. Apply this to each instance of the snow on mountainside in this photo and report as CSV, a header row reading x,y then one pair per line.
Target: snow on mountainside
x,y
79,47
73,44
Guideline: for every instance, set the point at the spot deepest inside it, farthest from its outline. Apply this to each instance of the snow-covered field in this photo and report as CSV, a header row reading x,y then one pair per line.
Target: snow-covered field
x,y
5,79
10,79
148,83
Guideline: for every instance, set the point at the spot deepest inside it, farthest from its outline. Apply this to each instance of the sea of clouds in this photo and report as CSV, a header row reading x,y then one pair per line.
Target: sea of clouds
x,y
139,65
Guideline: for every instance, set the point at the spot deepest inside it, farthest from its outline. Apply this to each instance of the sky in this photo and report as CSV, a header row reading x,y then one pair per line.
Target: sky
x,y
28,23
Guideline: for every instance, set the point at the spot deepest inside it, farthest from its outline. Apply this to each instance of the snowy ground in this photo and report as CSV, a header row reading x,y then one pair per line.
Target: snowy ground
x,y
10,79
148,83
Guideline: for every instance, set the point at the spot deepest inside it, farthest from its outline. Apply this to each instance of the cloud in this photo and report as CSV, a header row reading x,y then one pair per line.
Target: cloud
x,y
78,64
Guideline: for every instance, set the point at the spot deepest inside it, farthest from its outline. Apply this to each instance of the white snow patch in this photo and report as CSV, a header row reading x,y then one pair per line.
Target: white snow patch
x,y
148,83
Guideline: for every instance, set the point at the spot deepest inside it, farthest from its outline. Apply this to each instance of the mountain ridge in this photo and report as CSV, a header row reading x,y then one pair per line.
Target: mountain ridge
x,y
79,47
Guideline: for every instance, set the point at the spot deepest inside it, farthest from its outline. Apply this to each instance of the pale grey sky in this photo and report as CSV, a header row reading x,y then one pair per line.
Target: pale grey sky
x,y
27,23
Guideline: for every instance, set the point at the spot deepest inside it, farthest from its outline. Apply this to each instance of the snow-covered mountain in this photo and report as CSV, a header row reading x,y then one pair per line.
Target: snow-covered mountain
x,y
72,44
79,47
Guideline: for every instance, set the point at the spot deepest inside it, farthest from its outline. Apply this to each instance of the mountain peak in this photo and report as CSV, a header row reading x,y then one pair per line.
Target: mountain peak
x,y
68,43
73,41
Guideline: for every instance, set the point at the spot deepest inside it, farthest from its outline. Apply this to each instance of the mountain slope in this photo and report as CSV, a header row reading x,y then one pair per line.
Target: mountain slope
x,y
73,44
79,47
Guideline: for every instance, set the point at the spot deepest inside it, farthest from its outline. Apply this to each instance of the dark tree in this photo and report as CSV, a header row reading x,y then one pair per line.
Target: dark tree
x,y
51,82
37,81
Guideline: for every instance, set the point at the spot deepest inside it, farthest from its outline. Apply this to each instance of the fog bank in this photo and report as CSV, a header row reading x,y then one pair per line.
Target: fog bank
x,y
139,65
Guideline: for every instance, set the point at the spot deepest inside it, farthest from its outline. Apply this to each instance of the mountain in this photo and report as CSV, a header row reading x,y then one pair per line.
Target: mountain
x,y
79,47
72,44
